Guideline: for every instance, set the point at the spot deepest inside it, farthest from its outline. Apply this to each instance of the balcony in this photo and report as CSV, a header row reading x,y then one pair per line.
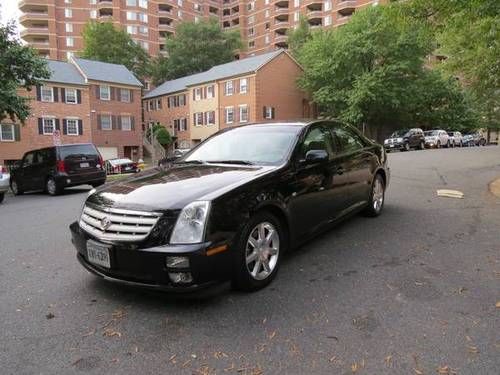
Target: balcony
x,y
213,10
33,32
280,38
26,6
281,18
166,26
26,18
281,3
279,45
282,28
315,6
104,4
346,7
314,19
314,14
164,35
164,9
278,10
105,13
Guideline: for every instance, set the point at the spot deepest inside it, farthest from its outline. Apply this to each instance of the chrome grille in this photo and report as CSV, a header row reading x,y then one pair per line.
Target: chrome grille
x,y
110,224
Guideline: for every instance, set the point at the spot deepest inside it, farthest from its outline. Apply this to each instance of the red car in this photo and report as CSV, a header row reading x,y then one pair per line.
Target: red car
x,y
118,166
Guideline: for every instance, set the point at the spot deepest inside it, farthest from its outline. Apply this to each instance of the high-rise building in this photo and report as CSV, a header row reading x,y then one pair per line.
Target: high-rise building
x,y
54,27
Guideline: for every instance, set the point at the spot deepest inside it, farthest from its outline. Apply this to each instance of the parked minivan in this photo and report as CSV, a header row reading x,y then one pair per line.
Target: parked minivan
x,y
54,168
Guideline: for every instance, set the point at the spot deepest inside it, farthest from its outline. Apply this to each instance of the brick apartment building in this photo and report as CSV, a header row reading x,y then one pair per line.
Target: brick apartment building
x,y
82,101
258,88
54,27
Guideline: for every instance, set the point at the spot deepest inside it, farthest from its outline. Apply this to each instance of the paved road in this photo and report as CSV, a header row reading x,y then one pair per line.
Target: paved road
x,y
410,292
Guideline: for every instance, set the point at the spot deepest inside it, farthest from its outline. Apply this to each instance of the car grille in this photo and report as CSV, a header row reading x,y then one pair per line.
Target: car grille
x,y
109,224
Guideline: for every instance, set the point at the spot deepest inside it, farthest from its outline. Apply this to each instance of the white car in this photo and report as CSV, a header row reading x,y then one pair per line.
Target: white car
x,y
456,139
436,139
4,182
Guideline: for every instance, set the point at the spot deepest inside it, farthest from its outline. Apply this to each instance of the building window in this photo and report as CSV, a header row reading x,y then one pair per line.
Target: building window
x,y
243,85
70,41
131,3
70,96
269,113
69,55
266,2
229,115
251,31
143,17
197,7
106,122
143,30
93,13
229,88
267,39
93,2
266,13
47,94
267,25
251,5
182,100
328,5
132,29
68,13
179,13
125,95
197,93
7,133
210,92
296,3
251,44
131,16
251,19
328,20
143,4
72,127
69,27
48,126
179,3
198,118
296,16
243,113
210,116
126,123
67,1
104,92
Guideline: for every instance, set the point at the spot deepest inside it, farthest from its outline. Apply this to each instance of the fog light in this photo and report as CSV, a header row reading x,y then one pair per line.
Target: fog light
x,y
181,277
68,181
177,262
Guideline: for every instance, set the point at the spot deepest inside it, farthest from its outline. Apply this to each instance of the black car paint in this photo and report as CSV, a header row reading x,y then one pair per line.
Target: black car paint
x,y
306,197
412,138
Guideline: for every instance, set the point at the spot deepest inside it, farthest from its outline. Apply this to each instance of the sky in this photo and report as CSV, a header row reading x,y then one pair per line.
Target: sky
x,y
9,10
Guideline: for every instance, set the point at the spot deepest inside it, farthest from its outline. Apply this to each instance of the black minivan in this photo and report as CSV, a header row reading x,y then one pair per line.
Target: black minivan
x,y
54,168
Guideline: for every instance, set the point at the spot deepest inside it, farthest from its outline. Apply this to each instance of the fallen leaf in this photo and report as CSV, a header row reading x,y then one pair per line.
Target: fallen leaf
x,y
50,316
354,367
450,193
109,332
271,336
473,349
418,372
388,360
89,333
498,305
446,370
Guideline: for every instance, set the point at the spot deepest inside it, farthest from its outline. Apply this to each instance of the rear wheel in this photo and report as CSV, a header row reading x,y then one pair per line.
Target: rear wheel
x,y
15,188
377,197
259,250
2,195
438,144
422,145
51,187
407,146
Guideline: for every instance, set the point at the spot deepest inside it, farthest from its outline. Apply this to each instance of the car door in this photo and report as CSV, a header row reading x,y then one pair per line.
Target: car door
x,y
311,202
355,163
39,174
24,175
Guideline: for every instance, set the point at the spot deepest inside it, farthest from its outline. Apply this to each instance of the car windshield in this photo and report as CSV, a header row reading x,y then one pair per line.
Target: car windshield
x,y
76,150
450,134
431,132
399,133
261,145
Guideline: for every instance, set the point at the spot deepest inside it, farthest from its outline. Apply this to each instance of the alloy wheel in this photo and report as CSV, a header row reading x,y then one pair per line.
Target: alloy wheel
x,y
51,186
14,188
378,194
262,250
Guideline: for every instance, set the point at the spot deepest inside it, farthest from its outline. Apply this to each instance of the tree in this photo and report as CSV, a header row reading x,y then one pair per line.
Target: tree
x,y
299,36
20,67
372,72
162,135
104,42
196,47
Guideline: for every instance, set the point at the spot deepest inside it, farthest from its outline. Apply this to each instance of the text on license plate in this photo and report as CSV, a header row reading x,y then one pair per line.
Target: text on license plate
x,y
84,165
98,254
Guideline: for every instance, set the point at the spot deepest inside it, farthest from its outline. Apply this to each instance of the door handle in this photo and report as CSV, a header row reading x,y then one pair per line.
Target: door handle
x,y
340,170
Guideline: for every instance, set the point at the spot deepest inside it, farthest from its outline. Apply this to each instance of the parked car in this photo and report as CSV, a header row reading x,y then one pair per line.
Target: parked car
x,y
405,140
436,139
456,139
180,152
54,168
116,166
4,182
231,207
479,139
468,140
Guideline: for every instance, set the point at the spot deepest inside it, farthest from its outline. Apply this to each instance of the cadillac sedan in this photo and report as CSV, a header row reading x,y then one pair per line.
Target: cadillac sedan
x,y
232,207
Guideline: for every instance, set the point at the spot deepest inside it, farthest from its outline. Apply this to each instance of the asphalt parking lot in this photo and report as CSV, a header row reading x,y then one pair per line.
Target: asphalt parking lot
x,y
411,292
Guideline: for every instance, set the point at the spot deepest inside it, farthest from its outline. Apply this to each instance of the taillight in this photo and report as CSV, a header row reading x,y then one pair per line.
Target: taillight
x,y
3,170
101,162
61,167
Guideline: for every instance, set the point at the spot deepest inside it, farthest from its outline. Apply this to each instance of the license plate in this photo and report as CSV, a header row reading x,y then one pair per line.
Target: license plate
x,y
127,168
98,254
392,146
84,165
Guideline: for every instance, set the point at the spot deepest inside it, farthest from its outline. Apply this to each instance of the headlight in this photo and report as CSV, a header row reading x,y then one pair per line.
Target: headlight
x,y
399,140
386,141
190,226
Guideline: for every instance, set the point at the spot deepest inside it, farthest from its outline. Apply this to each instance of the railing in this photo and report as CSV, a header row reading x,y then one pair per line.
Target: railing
x,y
154,148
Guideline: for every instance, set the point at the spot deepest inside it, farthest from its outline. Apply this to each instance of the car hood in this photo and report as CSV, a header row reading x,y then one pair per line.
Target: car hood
x,y
173,188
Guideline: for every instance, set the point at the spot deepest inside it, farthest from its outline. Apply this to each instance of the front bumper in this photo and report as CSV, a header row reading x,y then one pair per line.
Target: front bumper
x,y
393,146
146,267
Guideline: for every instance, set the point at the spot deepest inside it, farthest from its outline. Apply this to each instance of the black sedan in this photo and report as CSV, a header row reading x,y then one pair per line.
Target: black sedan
x,y
231,207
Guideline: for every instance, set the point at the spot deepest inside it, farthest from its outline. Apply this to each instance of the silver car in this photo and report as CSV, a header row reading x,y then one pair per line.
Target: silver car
x,y
4,182
456,139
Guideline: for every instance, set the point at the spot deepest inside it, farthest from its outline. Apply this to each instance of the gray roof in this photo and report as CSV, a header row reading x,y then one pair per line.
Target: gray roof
x,y
106,72
63,72
234,68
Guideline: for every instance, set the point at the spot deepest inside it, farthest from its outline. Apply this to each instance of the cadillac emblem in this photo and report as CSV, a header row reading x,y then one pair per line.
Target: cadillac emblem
x,y
105,223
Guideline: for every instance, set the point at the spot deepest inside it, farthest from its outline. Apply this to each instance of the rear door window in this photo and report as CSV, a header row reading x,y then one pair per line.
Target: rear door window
x,y
29,159
348,141
77,151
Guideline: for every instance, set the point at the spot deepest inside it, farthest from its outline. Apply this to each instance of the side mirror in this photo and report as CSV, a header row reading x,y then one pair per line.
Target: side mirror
x,y
315,156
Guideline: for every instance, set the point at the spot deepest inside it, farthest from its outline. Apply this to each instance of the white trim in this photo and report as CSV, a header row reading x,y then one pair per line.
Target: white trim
x,y
226,115
51,94
241,106
226,88
67,127
53,125
13,133
110,122
100,92
129,122
66,95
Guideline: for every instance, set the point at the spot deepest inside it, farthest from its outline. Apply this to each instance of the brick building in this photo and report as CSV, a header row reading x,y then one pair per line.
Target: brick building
x,y
82,101
54,27
258,88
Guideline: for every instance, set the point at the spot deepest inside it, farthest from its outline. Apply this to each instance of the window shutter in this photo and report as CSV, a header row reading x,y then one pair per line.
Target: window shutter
x,y
58,127
38,92
80,127
55,91
65,127
119,122
132,123
236,86
113,122
99,123
273,112
159,103
225,88
194,95
131,96
63,95
264,112
17,132
40,125
168,102
98,92
79,96
194,119
112,92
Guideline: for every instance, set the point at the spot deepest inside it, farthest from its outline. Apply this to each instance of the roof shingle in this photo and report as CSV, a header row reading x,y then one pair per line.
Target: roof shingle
x,y
63,72
106,72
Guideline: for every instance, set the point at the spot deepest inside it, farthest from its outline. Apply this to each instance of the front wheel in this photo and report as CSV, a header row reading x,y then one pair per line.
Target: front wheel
x,y
377,197
16,190
422,145
438,144
258,253
407,147
2,195
51,187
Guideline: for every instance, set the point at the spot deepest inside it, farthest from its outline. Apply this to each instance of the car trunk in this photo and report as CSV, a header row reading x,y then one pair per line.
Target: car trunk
x,y
80,159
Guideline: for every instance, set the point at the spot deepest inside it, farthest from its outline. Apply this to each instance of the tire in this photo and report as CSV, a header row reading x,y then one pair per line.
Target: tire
x,y
406,147
52,188
2,196
15,188
250,273
422,146
377,197
438,144
387,151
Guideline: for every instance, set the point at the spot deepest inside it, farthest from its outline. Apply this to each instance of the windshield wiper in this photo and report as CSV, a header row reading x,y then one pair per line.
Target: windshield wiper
x,y
242,162
190,162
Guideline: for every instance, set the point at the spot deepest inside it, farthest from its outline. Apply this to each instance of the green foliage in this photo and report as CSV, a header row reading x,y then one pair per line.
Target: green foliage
x,y
162,135
372,71
20,66
104,42
196,47
299,36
